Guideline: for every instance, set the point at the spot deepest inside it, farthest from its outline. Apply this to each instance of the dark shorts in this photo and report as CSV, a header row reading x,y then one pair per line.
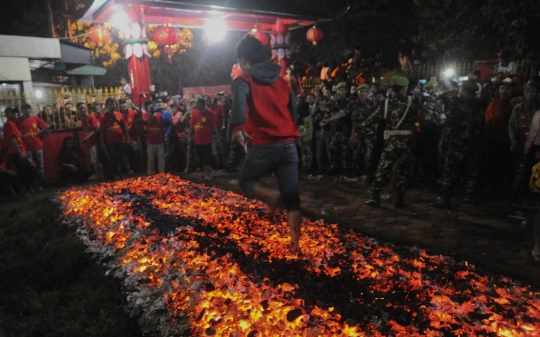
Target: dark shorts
x,y
204,152
278,158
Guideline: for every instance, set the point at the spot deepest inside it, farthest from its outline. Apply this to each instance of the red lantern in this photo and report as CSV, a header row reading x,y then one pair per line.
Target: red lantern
x,y
169,50
167,35
263,37
314,35
99,35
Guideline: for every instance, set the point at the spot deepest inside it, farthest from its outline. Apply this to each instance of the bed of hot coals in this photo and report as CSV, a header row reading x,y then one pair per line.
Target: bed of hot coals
x,y
200,261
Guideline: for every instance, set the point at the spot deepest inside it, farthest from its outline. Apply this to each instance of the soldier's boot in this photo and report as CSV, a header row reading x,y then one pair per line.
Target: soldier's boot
x,y
375,200
399,203
444,202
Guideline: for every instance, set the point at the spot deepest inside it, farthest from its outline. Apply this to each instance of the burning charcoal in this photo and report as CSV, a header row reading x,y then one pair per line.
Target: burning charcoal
x,y
209,287
201,315
294,314
264,304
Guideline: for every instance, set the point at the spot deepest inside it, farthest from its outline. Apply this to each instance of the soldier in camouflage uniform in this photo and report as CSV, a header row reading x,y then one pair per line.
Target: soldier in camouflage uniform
x,y
400,111
459,141
340,130
431,123
361,142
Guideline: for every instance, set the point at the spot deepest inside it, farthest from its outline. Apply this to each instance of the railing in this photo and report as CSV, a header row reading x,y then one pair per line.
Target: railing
x,y
51,104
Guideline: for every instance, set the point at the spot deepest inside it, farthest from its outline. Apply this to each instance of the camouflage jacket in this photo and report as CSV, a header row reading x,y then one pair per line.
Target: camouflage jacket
x,y
464,125
396,108
358,113
432,109
342,124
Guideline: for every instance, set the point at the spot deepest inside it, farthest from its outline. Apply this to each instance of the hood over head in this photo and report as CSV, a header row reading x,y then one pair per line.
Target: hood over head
x,y
265,72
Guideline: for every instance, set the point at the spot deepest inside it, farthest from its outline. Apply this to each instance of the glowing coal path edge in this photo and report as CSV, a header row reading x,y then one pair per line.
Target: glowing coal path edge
x,y
199,261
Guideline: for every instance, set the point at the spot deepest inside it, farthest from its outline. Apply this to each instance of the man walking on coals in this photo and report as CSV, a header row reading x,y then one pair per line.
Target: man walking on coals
x,y
263,117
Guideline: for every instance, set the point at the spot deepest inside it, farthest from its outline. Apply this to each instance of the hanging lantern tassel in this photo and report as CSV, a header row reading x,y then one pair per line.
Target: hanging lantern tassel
x,y
170,58
314,43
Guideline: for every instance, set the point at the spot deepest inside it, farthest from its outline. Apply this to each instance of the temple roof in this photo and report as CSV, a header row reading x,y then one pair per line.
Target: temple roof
x,y
237,14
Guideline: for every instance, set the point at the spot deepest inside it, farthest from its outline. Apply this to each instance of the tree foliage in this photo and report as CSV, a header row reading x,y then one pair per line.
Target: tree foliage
x,y
462,29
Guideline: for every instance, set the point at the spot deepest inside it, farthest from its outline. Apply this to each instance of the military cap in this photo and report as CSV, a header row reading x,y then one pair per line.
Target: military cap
x,y
400,81
431,83
470,85
363,86
341,85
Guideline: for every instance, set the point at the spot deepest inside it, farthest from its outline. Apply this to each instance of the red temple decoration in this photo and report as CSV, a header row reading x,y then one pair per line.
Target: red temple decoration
x,y
314,35
99,35
279,16
280,45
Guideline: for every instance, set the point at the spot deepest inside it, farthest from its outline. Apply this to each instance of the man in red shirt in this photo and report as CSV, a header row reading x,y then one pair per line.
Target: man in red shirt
x,y
13,146
154,141
130,116
113,134
264,117
90,124
31,127
219,115
202,125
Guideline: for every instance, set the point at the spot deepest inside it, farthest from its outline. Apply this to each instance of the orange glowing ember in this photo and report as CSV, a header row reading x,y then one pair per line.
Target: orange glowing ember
x,y
203,261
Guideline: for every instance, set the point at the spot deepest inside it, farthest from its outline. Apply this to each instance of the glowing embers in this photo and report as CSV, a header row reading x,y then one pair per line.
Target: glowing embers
x,y
219,267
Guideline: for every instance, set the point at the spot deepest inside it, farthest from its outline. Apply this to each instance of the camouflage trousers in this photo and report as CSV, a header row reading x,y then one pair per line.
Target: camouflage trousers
x,y
340,151
460,165
307,153
361,155
396,153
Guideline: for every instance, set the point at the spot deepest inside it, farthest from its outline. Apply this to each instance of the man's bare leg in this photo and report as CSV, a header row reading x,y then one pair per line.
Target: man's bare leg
x,y
294,219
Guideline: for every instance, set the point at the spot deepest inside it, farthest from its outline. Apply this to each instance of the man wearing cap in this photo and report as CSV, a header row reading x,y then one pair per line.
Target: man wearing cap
x,y
399,112
340,129
458,146
361,142
518,129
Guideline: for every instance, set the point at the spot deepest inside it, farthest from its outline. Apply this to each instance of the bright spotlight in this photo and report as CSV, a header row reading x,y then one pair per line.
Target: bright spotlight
x,y
120,19
449,72
215,30
39,94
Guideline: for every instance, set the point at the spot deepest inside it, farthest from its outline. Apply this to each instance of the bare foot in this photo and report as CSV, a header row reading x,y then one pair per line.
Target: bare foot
x,y
294,248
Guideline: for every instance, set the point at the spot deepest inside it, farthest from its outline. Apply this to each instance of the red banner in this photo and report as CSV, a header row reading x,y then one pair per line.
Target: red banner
x,y
211,90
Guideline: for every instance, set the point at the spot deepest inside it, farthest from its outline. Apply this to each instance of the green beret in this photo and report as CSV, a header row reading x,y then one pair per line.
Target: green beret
x,y
430,84
341,85
363,86
400,80
470,85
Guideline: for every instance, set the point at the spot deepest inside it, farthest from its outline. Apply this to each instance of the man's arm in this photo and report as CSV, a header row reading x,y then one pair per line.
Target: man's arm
x,y
15,146
240,92
292,107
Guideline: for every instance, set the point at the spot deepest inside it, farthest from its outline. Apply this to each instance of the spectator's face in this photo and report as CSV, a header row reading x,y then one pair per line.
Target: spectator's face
x,y
111,106
322,104
48,110
124,107
123,81
341,92
362,94
10,115
69,144
69,107
99,111
223,100
207,100
505,91
353,90
530,94
373,88
82,110
310,99
26,112
200,106
379,97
